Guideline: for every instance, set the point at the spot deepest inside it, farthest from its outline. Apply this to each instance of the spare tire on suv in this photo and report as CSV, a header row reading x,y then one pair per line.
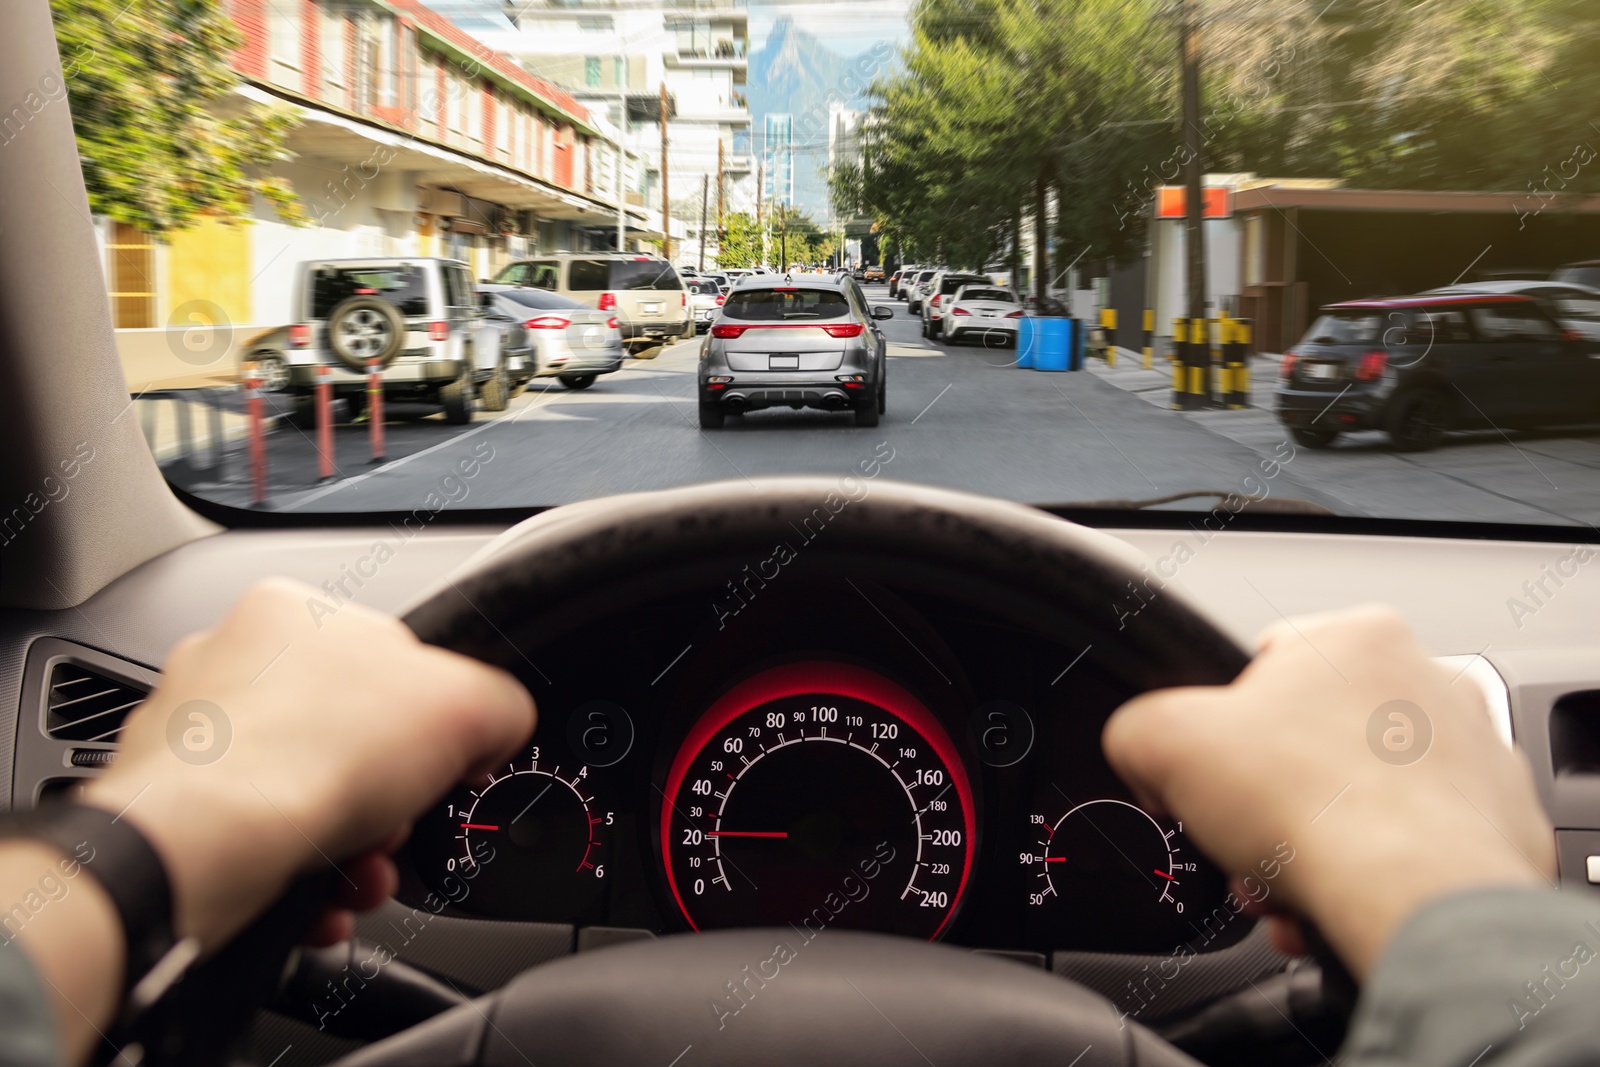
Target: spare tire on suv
x,y
365,327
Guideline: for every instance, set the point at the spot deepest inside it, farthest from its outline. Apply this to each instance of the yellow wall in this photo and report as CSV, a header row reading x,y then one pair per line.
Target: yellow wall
x,y
210,262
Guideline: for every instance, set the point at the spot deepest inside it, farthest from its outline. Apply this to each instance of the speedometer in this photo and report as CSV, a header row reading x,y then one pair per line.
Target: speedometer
x,y
818,794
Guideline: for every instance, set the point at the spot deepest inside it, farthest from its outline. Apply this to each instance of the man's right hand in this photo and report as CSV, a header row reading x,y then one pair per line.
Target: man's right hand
x,y
1384,813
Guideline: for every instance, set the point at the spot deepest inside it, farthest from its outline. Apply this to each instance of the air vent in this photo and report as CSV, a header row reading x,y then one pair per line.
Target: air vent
x,y
1575,734
86,705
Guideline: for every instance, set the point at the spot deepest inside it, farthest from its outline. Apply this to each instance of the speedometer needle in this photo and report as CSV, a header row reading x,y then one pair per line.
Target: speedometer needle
x,y
747,833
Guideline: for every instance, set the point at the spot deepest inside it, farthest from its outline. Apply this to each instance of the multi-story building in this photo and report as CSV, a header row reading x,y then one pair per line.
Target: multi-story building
x,y
413,138
777,155
615,57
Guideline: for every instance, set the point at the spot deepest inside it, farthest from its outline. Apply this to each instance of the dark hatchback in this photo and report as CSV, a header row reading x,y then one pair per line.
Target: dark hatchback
x,y
1416,367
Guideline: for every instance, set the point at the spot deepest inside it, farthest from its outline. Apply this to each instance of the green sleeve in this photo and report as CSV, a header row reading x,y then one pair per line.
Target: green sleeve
x,y
1487,978
27,1021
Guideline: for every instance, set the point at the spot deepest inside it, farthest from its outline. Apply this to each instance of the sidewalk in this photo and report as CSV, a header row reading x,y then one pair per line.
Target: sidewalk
x,y
1155,385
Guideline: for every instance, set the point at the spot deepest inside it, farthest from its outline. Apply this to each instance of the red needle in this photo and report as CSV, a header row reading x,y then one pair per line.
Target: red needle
x,y
1055,859
1163,874
747,833
478,826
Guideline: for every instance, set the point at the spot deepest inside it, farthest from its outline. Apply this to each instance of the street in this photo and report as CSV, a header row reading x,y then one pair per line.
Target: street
x,y
961,417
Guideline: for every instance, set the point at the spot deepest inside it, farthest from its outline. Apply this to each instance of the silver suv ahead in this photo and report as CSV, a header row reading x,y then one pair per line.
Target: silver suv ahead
x,y
811,342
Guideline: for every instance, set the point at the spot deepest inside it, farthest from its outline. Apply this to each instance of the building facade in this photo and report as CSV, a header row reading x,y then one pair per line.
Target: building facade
x,y
620,58
413,138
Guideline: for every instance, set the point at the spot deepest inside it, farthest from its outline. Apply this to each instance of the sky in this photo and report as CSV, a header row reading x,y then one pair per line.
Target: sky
x,y
846,26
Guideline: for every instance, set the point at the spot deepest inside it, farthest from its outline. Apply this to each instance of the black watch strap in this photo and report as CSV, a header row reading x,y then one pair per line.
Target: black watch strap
x,y
123,862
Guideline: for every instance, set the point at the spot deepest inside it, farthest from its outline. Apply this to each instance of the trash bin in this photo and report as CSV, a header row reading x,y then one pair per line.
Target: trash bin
x,y
1059,345
1027,341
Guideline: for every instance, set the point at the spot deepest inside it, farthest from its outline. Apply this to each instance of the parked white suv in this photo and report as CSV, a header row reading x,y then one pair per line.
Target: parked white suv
x,y
417,316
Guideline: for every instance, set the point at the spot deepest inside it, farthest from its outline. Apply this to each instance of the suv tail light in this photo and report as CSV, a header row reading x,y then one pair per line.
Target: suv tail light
x,y
683,299
1286,368
721,299
608,301
612,322
299,335
960,311
439,331
728,331
937,298
549,322
1372,366
846,329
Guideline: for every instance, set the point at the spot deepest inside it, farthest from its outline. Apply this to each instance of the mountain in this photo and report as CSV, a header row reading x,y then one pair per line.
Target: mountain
x,y
794,73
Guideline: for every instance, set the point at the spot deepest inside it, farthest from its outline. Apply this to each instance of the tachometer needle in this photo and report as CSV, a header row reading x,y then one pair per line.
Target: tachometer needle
x,y
1163,874
478,826
1055,859
747,833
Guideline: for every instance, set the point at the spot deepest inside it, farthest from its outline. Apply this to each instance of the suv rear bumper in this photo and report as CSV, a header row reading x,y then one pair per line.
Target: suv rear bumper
x,y
401,375
823,395
654,331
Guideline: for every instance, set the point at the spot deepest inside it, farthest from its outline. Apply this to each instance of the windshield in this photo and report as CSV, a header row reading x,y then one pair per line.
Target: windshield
x,y
301,193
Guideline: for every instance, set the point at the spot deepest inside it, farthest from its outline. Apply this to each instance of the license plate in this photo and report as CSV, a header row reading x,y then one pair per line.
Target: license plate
x,y
652,309
783,362
987,314
1322,371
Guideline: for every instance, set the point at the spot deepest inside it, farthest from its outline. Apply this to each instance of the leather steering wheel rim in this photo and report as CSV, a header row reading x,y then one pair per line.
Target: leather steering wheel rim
x,y
842,996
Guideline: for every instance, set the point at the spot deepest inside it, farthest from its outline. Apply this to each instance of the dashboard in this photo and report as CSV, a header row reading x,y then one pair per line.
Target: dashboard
x,y
824,750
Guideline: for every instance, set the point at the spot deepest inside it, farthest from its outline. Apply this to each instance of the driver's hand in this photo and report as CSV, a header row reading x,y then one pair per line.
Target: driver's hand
x,y
1303,756
317,741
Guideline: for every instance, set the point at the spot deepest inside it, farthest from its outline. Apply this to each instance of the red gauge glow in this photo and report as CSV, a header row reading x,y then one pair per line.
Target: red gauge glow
x,y
818,794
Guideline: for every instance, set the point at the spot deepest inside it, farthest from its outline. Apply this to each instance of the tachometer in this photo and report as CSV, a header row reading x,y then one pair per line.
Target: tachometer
x,y
818,794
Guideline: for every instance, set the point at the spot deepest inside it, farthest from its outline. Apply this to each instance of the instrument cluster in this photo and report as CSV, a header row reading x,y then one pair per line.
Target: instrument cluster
x,y
889,764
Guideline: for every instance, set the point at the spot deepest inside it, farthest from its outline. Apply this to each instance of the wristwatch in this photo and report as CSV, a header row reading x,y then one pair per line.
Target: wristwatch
x,y
127,867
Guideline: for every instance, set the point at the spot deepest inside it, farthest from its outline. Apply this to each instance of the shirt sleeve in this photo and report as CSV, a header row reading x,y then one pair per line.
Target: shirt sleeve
x,y
1486,978
27,1020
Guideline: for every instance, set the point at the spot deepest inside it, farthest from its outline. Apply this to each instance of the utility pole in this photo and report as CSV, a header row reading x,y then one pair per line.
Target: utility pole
x,y
1194,203
719,200
761,168
705,182
666,212
783,239
622,156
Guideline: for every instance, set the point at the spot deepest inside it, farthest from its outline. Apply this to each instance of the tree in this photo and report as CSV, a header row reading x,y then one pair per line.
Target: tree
x,y
741,246
163,139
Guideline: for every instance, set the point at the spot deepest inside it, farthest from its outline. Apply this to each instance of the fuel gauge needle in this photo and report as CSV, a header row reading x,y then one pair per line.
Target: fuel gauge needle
x,y
747,833
1163,874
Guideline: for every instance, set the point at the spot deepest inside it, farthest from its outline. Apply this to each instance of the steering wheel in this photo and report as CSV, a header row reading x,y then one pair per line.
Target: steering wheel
x,y
842,996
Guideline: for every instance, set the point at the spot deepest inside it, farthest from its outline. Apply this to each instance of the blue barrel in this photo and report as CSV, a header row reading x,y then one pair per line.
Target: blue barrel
x,y
1027,340
1054,345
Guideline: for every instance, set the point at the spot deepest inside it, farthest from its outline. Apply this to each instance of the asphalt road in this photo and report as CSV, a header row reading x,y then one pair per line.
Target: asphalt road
x,y
962,417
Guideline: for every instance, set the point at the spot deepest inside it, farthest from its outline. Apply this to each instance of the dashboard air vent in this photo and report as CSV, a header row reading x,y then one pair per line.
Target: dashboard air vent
x,y
85,705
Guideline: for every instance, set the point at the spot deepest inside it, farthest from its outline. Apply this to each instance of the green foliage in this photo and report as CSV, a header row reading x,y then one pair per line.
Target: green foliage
x,y
999,98
164,140
741,243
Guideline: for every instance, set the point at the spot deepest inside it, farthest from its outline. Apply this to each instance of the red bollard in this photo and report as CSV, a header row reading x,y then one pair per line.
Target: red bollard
x,y
324,423
375,407
258,438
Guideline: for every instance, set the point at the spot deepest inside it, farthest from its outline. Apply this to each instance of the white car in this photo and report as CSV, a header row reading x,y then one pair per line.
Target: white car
x,y
705,300
986,313
1576,307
